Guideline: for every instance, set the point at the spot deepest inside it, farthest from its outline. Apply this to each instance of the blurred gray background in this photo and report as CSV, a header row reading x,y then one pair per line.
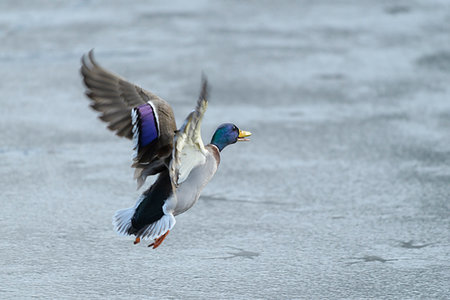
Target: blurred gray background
x,y
343,191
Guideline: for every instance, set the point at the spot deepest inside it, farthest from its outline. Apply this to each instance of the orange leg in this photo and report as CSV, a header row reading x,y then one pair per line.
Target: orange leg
x,y
137,240
159,240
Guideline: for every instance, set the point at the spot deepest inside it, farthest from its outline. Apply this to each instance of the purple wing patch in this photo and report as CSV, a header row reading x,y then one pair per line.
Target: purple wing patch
x,y
145,125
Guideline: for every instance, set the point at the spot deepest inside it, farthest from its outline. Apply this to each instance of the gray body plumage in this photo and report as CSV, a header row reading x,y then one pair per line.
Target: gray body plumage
x,y
188,192
154,211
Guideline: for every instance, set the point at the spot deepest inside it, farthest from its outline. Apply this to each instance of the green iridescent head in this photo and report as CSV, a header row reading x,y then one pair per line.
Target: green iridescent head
x,y
227,134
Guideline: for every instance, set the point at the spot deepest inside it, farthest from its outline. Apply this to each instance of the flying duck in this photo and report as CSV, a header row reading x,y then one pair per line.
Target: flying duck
x,y
182,163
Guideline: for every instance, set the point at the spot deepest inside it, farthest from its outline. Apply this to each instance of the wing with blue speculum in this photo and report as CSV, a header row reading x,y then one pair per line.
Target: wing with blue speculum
x,y
134,113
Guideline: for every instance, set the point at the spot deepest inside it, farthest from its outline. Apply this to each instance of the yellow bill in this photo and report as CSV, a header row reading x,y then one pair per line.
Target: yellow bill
x,y
243,134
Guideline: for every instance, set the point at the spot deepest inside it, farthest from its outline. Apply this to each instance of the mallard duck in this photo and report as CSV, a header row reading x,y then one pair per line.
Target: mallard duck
x,y
182,163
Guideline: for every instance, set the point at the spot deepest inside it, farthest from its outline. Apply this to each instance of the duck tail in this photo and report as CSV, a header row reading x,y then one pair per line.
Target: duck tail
x,y
158,228
123,226
122,221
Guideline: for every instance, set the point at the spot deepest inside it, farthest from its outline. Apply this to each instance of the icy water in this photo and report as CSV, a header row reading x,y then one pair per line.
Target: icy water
x,y
343,191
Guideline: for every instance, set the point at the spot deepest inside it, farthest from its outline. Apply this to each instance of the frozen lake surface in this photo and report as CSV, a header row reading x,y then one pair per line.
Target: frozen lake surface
x,y
343,191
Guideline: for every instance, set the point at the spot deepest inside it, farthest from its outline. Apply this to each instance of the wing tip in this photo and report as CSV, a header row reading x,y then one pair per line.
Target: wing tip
x,y
88,62
204,92
87,56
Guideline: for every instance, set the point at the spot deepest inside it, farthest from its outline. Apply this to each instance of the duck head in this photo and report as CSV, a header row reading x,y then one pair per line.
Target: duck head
x,y
227,134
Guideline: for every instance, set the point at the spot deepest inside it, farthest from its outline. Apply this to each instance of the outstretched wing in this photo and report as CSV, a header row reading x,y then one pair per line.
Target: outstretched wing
x,y
112,96
189,151
134,113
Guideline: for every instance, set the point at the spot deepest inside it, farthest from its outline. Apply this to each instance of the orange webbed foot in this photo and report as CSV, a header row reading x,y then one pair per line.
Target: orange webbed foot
x,y
137,240
159,240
